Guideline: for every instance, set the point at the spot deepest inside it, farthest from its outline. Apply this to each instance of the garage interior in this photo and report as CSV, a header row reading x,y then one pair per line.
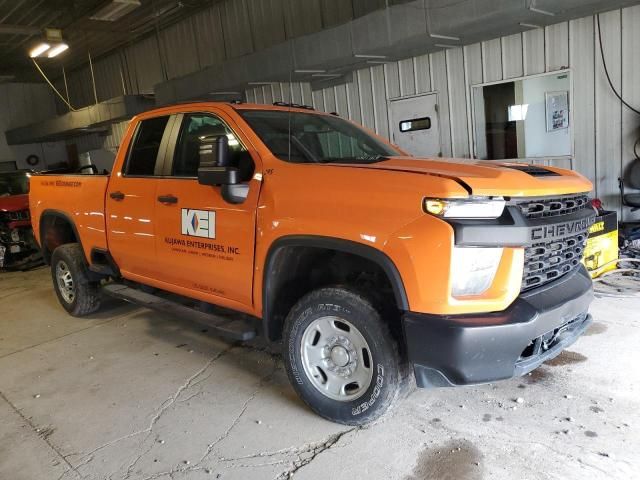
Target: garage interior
x,y
130,393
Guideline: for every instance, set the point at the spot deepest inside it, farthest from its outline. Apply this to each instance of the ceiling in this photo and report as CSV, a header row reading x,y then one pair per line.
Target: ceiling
x,y
21,22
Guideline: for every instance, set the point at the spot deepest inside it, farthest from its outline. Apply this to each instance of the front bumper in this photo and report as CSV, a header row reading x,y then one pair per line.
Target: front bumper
x,y
473,349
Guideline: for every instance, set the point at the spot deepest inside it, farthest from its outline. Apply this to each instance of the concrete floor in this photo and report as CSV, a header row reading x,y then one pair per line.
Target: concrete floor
x,y
130,394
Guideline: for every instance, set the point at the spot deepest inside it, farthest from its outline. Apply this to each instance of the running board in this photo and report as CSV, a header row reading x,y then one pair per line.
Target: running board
x,y
233,328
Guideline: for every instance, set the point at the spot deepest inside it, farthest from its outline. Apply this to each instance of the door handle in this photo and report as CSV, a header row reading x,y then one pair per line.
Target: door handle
x,y
117,196
167,199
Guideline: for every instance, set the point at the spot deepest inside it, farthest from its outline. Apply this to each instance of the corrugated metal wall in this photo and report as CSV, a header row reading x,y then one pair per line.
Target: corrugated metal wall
x,y
21,104
604,131
226,30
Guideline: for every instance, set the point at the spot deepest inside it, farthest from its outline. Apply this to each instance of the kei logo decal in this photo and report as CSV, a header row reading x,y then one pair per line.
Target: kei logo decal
x,y
198,223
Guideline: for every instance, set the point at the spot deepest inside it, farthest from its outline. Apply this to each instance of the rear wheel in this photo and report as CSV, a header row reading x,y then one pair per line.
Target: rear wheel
x,y
76,293
341,357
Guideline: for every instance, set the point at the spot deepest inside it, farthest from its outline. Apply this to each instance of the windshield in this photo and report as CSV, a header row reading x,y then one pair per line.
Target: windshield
x,y
315,138
15,183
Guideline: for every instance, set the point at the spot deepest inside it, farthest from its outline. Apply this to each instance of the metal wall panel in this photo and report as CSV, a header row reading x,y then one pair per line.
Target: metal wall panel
x,y
407,77
492,60
423,74
22,104
365,90
267,22
630,87
353,97
379,91
533,51
146,69
209,36
302,17
557,46
392,73
342,101
512,56
329,99
608,113
458,102
441,86
235,26
473,61
335,12
582,65
109,77
179,47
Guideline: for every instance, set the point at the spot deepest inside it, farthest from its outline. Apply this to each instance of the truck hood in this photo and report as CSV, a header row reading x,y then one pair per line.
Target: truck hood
x,y
14,203
490,178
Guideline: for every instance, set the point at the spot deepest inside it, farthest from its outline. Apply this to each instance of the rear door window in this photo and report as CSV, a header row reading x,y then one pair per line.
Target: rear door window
x,y
143,155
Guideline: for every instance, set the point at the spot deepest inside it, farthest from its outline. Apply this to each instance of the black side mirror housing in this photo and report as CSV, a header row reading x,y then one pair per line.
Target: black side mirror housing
x,y
215,162
218,176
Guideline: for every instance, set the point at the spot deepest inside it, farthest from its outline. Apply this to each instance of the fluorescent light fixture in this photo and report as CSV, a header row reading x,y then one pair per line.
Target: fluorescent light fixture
x,y
115,10
361,55
444,37
326,75
225,93
262,83
529,25
542,12
57,50
444,45
378,62
309,71
39,50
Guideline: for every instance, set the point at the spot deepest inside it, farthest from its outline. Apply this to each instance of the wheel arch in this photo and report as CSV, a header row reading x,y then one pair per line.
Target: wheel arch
x,y
277,272
61,226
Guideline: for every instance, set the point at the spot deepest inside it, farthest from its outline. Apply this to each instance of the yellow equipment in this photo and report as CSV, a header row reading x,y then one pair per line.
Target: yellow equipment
x,y
602,244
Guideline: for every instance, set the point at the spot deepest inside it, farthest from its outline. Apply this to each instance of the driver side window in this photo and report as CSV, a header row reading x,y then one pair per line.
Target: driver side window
x,y
196,127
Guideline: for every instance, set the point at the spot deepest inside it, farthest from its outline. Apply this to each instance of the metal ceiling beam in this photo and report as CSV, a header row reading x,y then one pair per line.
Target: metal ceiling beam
x,y
81,122
19,30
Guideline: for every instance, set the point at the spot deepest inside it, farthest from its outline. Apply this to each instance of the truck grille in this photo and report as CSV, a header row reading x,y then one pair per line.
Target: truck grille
x,y
544,262
548,260
552,207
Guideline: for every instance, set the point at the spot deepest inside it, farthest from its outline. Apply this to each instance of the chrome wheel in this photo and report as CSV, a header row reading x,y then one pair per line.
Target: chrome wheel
x,y
65,282
336,358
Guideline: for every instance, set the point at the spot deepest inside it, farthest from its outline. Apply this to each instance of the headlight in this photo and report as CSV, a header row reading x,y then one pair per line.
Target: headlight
x,y
473,270
15,235
472,207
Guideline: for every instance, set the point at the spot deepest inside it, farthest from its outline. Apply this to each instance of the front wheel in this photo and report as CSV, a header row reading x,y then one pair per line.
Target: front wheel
x,y
341,357
76,293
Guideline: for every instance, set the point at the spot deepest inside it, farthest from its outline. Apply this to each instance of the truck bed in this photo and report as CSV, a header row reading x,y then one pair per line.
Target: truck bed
x,y
80,198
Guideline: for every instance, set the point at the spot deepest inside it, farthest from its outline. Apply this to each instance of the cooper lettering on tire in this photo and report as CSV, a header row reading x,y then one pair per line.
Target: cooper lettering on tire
x,y
342,359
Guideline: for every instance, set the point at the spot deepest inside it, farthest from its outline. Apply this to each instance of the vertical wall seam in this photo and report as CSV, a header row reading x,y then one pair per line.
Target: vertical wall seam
x,y
467,102
596,179
447,71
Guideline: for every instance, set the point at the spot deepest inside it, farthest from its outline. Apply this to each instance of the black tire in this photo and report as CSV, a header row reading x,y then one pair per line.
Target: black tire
x,y
85,299
389,371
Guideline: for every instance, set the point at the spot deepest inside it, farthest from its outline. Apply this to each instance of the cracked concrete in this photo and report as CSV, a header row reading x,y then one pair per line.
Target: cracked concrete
x,y
131,394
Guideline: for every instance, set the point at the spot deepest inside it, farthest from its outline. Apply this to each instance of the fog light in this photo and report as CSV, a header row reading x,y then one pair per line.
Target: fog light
x,y
473,270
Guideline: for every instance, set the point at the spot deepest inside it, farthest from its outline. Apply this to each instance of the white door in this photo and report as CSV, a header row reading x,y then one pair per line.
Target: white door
x,y
414,125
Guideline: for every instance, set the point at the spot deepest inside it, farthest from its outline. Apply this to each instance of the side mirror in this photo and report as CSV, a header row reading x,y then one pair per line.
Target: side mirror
x,y
215,159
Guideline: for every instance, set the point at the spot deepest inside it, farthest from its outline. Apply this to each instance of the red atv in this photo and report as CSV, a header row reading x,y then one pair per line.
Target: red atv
x,y
18,249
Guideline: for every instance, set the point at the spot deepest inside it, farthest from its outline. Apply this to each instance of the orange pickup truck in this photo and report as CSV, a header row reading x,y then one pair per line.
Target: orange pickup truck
x,y
368,266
